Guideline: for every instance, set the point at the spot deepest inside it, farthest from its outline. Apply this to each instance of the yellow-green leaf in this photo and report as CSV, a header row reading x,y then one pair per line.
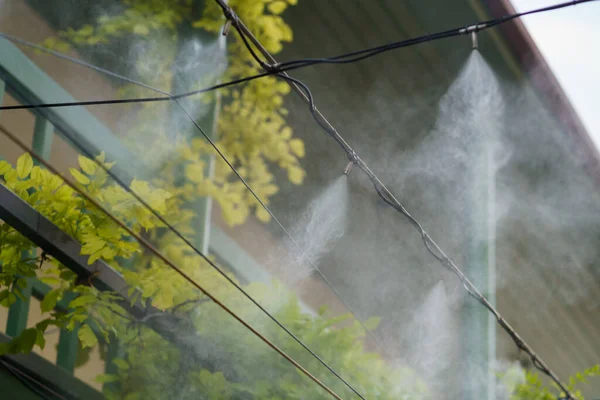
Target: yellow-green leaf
x,y
40,340
82,301
4,167
296,175
87,165
92,245
87,336
121,364
140,29
27,340
372,323
24,166
106,378
277,7
79,177
50,300
297,147
263,215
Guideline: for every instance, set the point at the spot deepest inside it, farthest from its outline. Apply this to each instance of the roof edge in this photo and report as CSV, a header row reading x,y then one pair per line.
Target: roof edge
x,y
536,67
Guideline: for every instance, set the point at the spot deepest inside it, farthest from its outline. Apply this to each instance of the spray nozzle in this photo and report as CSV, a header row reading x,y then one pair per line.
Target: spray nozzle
x,y
348,168
353,157
473,29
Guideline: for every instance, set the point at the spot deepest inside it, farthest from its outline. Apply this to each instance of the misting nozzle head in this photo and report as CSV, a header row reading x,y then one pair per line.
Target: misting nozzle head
x,y
348,168
474,40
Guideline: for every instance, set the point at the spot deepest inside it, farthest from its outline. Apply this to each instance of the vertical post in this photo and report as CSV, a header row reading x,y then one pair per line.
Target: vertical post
x,y
43,133
2,86
479,324
68,341
113,351
68,344
208,47
19,311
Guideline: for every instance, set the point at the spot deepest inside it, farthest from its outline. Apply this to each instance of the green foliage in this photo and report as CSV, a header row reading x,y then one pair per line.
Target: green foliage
x,y
100,316
257,141
255,136
534,388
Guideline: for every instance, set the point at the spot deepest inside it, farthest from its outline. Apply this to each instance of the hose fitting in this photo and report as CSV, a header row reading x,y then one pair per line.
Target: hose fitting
x,y
353,157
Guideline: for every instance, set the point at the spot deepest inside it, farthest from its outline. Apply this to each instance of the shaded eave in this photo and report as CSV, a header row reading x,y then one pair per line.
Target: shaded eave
x,y
533,63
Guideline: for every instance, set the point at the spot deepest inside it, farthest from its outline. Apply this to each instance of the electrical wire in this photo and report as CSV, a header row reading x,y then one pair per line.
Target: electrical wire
x,y
30,382
270,68
144,242
384,193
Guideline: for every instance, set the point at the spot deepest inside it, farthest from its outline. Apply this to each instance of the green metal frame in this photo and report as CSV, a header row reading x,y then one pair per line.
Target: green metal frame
x,y
42,369
29,84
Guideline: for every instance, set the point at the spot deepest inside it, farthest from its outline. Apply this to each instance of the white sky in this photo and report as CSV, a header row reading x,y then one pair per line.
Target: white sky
x,y
569,40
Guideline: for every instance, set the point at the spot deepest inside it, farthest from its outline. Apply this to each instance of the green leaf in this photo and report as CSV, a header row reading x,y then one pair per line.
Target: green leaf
x,y
140,29
4,348
372,323
43,325
121,364
133,396
50,281
277,7
92,245
50,299
322,310
86,30
79,177
87,165
27,340
106,378
40,340
82,301
67,275
24,166
87,337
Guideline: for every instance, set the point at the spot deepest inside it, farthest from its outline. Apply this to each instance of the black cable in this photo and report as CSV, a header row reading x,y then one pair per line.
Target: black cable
x,y
507,18
272,69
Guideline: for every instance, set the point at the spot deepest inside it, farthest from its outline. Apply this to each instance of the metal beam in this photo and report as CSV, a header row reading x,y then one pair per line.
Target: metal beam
x,y
44,371
29,84
49,237
175,329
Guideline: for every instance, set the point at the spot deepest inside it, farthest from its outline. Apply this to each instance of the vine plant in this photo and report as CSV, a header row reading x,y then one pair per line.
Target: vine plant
x,y
253,132
153,363
150,364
